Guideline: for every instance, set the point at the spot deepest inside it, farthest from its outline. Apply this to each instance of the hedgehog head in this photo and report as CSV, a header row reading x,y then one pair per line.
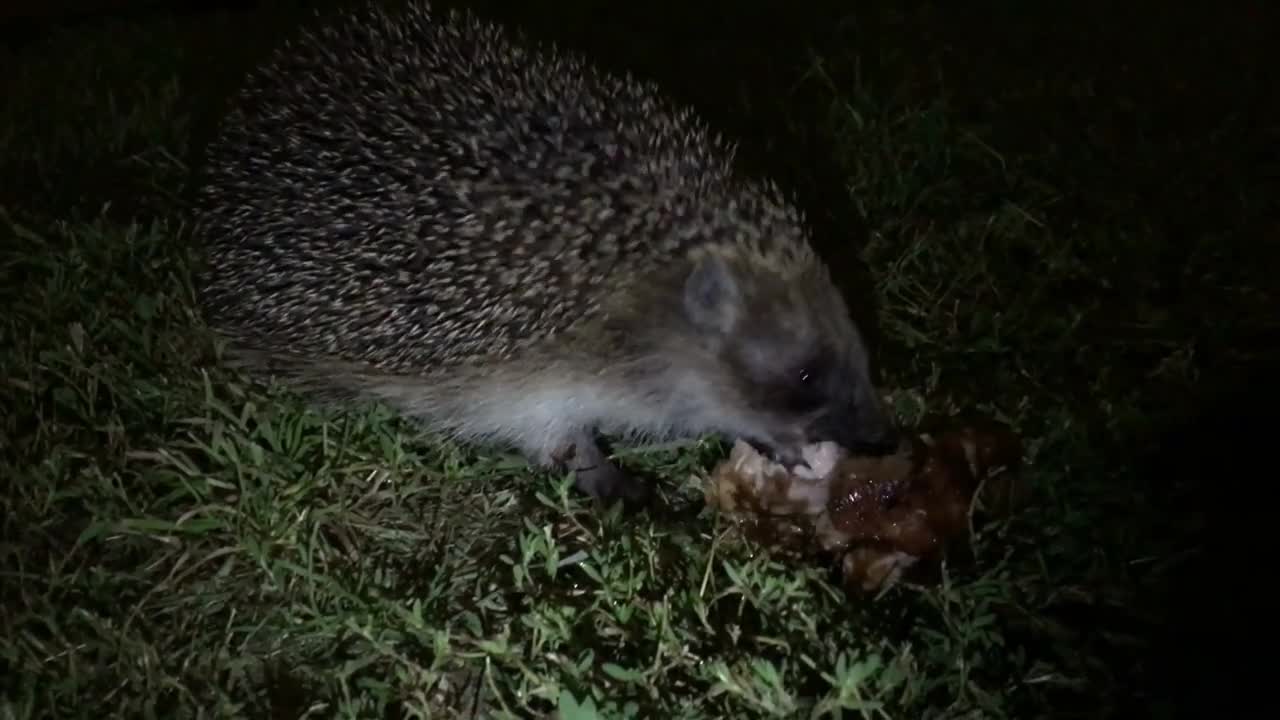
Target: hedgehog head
x,y
754,340
791,365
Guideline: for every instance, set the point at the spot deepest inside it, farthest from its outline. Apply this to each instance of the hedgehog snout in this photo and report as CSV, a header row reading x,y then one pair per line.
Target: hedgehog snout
x,y
783,442
864,428
788,455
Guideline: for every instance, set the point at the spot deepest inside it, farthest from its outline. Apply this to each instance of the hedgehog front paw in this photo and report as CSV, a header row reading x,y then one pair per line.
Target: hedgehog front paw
x,y
595,474
606,481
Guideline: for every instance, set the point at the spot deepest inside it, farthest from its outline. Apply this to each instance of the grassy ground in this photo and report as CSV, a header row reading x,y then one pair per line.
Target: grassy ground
x,y
1055,239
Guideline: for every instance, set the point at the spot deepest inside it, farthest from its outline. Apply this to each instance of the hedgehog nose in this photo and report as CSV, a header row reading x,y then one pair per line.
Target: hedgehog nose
x,y
786,455
886,444
876,438
863,434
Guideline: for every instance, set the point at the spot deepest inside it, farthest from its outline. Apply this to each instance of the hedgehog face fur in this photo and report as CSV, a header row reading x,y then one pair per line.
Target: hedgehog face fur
x,y
800,366
514,247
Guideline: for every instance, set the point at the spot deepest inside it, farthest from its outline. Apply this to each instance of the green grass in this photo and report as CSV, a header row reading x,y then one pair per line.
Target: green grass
x,y
175,542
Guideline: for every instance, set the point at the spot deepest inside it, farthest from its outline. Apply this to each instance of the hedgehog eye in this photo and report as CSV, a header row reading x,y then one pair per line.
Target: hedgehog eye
x,y
808,384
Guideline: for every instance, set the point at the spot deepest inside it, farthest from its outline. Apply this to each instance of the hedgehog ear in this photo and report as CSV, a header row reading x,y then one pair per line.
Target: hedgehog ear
x,y
711,296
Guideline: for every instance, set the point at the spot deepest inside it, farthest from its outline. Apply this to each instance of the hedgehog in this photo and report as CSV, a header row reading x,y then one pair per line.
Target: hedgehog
x,y
511,247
